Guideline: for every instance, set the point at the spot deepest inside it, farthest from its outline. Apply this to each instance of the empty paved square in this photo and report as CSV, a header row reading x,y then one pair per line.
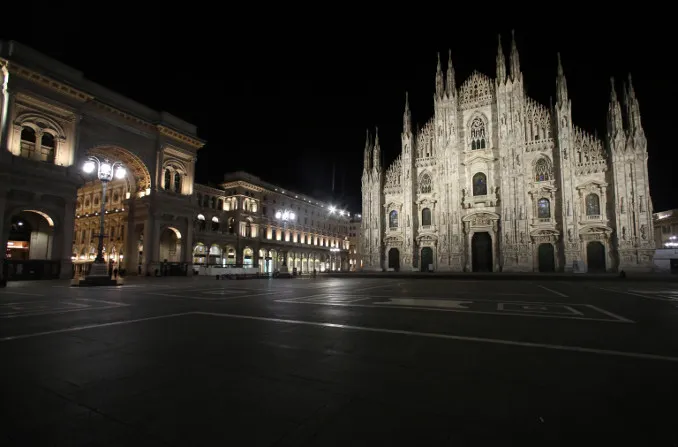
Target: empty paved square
x,y
339,362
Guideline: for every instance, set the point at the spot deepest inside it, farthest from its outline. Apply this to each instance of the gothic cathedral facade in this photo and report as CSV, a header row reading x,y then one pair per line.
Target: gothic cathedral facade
x,y
497,182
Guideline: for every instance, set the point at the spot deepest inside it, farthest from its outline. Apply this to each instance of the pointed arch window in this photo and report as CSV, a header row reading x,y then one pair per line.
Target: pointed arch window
x,y
542,170
393,219
592,205
478,135
426,217
544,209
425,184
479,184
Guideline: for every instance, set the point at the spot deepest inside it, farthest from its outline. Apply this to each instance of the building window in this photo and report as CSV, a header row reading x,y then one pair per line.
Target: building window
x,y
477,134
47,147
544,209
479,184
231,223
592,205
177,182
426,216
393,219
542,170
425,184
27,142
168,179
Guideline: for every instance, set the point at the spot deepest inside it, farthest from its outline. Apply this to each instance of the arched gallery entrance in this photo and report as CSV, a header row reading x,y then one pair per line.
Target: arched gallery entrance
x,y
595,257
481,252
546,257
394,259
426,259
30,251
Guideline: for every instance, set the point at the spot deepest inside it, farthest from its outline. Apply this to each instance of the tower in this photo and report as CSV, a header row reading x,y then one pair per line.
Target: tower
x,y
632,205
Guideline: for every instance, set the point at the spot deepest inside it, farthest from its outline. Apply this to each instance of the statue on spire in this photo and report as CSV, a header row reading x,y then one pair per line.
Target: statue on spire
x,y
451,83
515,59
501,64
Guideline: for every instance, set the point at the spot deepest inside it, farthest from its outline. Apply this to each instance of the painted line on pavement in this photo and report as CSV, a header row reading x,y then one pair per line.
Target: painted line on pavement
x,y
578,349
114,303
20,293
91,326
638,295
637,355
616,319
202,298
19,314
553,291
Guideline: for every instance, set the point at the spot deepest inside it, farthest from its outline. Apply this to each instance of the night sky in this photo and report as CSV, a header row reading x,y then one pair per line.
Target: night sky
x,y
287,101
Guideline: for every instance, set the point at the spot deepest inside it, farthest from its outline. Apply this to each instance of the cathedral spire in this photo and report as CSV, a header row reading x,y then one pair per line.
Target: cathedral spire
x,y
407,116
501,64
368,153
633,111
376,152
439,79
515,59
561,85
451,83
615,126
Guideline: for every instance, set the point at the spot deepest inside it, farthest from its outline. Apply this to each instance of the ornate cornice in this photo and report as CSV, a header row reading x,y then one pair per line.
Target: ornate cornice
x,y
44,81
244,184
193,142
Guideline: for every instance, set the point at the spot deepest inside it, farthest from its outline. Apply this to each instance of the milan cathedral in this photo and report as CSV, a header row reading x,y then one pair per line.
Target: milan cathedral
x,y
498,182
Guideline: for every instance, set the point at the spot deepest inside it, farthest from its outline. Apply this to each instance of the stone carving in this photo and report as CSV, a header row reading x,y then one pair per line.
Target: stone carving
x,y
643,231
569,235
476,91
481,220
508,237
522,237
623,233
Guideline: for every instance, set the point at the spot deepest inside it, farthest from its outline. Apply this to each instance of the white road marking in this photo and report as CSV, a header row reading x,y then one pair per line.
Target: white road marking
x,y
21,314
203,298
636,355
442,309
578,349
553,291
382,286
606,312
115,303
451,304
639,295
6,292
91,326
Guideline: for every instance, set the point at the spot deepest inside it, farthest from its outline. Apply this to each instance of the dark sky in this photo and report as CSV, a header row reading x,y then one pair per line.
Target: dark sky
x,y
286,97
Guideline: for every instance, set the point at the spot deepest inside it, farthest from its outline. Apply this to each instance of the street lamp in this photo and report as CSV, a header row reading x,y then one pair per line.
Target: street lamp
x,y
285,217
106,170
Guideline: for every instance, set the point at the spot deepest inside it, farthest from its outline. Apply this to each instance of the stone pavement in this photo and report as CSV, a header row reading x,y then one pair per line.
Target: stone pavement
x,y
339,361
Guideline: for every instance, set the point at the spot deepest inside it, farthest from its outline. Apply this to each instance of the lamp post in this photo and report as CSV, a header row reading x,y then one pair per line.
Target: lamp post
x,y
106,170
285,217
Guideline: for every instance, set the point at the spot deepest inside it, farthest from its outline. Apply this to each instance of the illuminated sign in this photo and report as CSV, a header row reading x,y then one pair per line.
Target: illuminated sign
x,y
17,245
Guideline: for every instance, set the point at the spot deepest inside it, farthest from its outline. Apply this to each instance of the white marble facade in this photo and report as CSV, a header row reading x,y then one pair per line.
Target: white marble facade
x,y
498,182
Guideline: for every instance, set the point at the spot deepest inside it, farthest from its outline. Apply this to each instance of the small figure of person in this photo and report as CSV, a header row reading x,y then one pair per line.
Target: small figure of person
x,y
115,273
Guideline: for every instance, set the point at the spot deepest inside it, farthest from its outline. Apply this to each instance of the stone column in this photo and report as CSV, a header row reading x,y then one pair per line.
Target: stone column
x,y
4,233
66,236
148,245
188,243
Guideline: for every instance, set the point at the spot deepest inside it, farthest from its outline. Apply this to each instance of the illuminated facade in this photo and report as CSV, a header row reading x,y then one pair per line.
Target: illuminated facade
x,y
51,119
666,229
249,222
497,182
